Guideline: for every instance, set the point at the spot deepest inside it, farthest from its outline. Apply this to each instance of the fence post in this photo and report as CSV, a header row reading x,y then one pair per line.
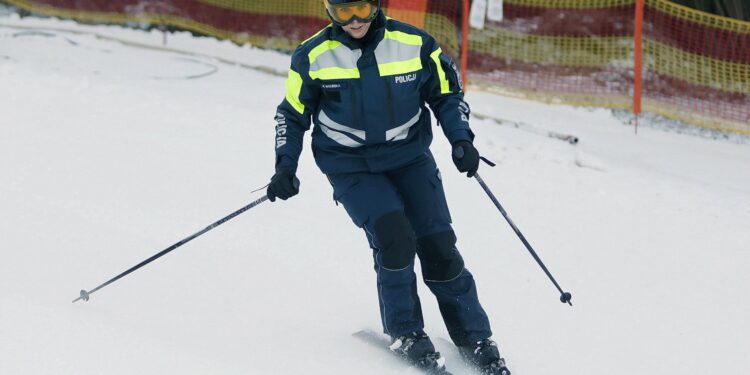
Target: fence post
x,y
638,63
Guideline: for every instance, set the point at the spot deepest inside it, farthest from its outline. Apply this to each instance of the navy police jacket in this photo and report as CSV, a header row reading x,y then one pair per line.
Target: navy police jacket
x,y
367,99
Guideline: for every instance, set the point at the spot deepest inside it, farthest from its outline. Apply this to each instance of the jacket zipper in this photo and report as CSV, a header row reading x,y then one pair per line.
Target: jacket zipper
x,y
356,121
389,103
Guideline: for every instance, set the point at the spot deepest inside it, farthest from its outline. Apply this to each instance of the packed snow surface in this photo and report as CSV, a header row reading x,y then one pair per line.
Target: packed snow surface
x,y
110,152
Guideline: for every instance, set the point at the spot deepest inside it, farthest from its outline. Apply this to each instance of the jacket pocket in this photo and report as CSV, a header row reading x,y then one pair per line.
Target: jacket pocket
x,y
332,90
441,205
342,184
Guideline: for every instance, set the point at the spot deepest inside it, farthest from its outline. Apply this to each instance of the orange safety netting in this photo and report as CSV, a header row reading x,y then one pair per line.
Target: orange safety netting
x,y
696,66
573,51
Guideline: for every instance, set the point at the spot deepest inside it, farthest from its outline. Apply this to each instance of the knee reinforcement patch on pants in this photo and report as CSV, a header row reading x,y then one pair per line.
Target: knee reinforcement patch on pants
x,y
440,259
396,241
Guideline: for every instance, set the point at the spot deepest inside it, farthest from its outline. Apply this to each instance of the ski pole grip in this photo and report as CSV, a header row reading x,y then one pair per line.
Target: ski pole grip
x,y
488,161
295,182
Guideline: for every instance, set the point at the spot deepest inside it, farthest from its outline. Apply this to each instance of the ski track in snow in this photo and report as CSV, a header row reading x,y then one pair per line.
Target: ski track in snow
x,y
103,165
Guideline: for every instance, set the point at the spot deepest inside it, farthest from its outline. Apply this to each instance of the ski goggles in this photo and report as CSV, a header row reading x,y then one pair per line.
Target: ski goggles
x,y
363,11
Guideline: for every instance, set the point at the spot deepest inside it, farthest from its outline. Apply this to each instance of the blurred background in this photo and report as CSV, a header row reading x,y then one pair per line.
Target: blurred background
x,y
686,60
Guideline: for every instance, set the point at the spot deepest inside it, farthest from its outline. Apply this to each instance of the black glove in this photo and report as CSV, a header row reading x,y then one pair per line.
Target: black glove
x,y
284,184
466,157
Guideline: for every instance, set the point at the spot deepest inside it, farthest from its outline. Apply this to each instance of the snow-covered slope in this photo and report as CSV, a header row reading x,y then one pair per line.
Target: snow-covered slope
x,y
110,153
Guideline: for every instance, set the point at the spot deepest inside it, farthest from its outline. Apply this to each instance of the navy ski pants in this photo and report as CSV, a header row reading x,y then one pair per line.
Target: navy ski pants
x,y
403,213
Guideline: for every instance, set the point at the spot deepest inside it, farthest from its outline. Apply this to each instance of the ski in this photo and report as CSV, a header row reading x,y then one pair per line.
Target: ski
x,y
436,364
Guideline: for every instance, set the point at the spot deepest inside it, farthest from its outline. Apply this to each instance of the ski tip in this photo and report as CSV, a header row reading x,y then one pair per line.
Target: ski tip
x,y
367,333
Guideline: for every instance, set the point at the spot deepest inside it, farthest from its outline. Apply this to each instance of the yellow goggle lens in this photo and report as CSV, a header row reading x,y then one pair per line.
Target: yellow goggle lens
x,y
345,13
361,11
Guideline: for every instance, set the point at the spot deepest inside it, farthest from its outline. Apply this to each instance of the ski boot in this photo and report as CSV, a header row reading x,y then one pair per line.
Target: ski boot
x,y
485,356
417,349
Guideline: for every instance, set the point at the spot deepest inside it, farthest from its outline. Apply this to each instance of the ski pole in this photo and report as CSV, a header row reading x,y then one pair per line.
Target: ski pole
x,y
565,297
84,295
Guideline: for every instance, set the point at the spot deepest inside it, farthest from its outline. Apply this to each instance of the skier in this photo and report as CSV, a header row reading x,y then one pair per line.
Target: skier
x,y
364,81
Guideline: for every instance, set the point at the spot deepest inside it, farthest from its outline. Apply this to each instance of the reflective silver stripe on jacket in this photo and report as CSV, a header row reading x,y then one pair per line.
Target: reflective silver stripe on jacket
x,y
337,132
400,132
391,50
339,57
